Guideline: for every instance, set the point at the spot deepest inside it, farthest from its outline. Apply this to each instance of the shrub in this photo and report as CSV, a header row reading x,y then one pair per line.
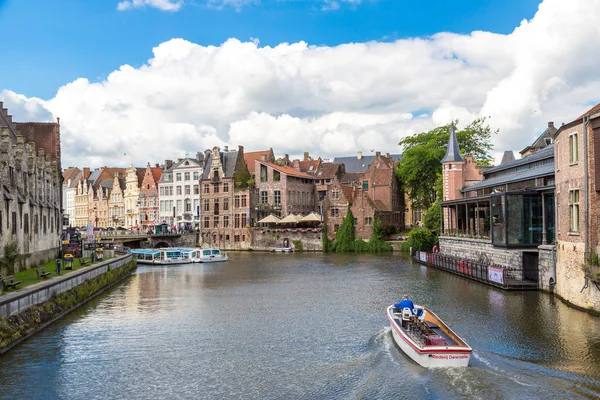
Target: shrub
x,y
298,245
433,218
421,239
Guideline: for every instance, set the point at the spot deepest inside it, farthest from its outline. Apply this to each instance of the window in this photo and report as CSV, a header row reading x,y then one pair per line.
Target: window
x,y
188,205
179,206
196,176
216,221
277,196
206,205
226,222
161,191
216,188
236,221
187,189
244,220
573,148
14,223
215,174
335,212
186,176
170,190
244,201
264,197
196,189
335,194
216,207
263,173
206,188
26,224
368,221
336,227
276,176
207,222
548,141
356,221
178,177
574,210
236,201
178,190
226,204
236,238
365,185
225,187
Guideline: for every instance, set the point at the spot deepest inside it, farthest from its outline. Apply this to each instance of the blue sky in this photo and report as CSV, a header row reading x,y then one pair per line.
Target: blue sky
x,y
50,43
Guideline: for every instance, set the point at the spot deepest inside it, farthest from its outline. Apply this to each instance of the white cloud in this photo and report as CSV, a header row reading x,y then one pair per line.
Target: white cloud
x,y
164,5
330,100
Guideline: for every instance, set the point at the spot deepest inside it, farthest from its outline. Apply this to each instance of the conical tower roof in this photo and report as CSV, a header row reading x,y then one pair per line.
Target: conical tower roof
x,y
452,152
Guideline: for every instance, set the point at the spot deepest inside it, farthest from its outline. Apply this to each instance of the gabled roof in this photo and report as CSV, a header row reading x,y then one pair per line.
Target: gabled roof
x,y
75,180
355,164
140,172
453,151
156,173
70,173
308,166
546,152
540,142
252,156
287,170
6,120
228,162
593,110
328,170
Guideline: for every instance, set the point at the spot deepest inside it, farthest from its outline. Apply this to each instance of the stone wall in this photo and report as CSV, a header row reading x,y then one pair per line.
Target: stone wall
x,y
547,267
268,239
18,301
570,277
481,250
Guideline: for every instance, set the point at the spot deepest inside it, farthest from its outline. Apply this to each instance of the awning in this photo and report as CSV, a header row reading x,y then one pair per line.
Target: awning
x,y
271,219
312,217
290,219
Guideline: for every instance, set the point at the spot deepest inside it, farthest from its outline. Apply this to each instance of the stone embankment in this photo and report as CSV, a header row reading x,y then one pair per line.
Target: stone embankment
x,y
31,309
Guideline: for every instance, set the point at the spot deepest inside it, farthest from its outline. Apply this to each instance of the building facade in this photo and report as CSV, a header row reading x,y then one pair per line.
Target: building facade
x,y
133,180
71,177
149,205
30,171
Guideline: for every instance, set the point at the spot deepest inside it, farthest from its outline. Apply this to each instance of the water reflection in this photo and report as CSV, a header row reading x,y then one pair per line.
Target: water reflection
x,y
304,327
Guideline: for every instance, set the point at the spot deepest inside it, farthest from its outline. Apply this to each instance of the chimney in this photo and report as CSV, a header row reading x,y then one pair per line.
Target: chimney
x,y
508,156
168,164
551,124
306,157
156,165
225,149
359,155
199,156
377,154
387,155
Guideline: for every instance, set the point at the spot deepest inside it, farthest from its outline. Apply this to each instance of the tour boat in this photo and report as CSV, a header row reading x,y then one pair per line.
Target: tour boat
x,y
282,249
210,255
427,340
167,256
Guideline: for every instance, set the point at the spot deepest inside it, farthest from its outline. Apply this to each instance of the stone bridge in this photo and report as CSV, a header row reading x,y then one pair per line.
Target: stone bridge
x,y
142,240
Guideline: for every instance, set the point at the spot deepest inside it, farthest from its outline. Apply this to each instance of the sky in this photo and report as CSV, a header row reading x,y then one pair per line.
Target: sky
x,y
137,81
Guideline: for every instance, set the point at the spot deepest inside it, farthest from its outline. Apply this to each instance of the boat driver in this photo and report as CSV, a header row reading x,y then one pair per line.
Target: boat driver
x,y
408,303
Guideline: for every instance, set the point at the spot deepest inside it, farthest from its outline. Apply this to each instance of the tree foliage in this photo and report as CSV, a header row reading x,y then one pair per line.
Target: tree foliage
x,y
345,241
243,179
420,167
11,257
344,238
433,218
421,239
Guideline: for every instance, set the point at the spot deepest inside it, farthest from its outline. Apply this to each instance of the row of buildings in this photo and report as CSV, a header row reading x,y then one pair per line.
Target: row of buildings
x,y
30,174
223,193
538,214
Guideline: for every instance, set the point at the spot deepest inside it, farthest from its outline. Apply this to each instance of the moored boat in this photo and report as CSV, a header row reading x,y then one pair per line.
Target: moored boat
x,y
210,255
166,256
282,249
427,340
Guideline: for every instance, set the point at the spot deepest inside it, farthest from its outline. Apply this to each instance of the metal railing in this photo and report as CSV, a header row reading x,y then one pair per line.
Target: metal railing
x,y
492,274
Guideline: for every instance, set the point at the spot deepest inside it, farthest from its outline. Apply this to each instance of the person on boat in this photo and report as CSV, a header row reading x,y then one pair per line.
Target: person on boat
x,y
405,303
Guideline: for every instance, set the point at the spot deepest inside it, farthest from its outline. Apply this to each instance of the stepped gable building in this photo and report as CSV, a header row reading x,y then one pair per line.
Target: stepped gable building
x,y
577,179
30,171
148,205
179,192
71,177
282,190
82,216
133,181
226,209
100,185
116,202
502,215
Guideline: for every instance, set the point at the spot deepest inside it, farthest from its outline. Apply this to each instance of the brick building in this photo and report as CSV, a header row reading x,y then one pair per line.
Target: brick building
x,y
226,209
30,171
148,199
282,190
116,202
577,179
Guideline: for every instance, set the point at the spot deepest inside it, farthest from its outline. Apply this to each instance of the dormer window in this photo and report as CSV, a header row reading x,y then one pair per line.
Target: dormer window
x,y
216,174
548,141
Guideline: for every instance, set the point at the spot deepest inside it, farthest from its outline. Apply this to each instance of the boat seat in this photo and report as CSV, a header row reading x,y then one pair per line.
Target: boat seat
x,y
406,314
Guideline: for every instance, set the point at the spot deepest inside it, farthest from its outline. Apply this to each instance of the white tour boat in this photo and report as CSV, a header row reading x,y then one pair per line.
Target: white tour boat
x,y
210,255
282,249
168,256
427,339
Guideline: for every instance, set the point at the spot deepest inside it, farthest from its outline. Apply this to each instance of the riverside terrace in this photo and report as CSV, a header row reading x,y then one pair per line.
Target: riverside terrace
x,y
504,215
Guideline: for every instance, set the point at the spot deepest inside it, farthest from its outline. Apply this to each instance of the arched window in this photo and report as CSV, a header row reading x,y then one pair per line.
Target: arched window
x,y
148,187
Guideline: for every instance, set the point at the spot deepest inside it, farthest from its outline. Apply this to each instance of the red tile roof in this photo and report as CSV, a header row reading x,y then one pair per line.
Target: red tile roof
x,y
70,173
287,170
306,164
252,156
156,173
591,111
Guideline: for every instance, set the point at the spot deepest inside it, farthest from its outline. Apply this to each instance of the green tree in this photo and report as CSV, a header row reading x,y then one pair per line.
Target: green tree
x,y
433,218
243,179
325,239
420,168
344,237
376,243
421,239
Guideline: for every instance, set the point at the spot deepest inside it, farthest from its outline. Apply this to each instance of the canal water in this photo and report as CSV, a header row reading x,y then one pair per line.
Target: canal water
x,y
302,326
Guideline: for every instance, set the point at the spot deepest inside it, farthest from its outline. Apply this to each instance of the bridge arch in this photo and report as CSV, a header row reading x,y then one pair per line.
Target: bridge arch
x,y
161,245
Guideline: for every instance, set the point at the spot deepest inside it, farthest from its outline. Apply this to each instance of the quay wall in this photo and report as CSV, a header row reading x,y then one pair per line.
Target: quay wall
x,y
480,250
547,267
266,239
16,302
570,278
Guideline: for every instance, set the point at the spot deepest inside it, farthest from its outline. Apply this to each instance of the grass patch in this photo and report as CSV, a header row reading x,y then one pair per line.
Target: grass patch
x,y
29,276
